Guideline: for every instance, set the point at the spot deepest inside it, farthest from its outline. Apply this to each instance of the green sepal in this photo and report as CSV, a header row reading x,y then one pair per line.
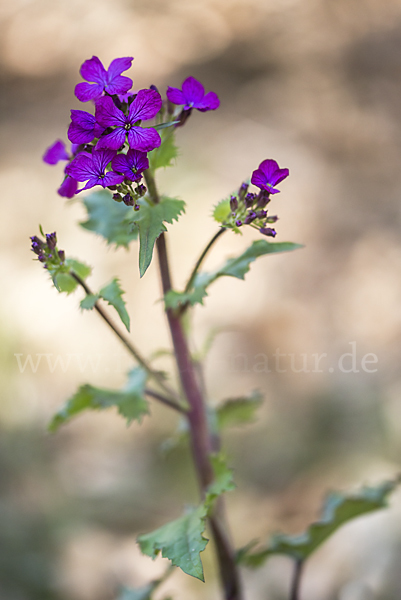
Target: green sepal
x,y
112,293
164,155
338,509
150,221
108,218
234,267
130,401
63,281
235,412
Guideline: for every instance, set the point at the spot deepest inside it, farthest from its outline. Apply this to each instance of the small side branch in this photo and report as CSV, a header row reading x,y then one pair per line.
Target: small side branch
x,y
296,580
202,258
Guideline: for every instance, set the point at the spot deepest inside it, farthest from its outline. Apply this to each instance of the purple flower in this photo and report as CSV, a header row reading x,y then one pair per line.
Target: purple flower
x,y
68,188
131,164
268,175
92,168
110,81
83,127
145,106
55,153
193,95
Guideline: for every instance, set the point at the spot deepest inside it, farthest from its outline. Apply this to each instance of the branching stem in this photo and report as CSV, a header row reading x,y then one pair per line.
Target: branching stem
x,y
202,257
170,401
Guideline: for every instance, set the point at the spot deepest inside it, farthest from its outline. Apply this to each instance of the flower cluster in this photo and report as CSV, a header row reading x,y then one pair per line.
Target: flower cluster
x,y
47,252
109,148
249,208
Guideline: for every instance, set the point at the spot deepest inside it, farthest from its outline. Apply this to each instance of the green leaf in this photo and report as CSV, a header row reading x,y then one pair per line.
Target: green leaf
x,y
108,218
150,220
164,155
143,593
181,541
89,301
130,401
337,510
62,279
234,267
223,479
238,411
222,211
112,293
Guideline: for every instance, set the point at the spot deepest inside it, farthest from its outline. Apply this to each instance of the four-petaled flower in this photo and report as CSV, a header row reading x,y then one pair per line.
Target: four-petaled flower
x,y
92,167
145,106
110,81
268,175
83,127
193,95
131,164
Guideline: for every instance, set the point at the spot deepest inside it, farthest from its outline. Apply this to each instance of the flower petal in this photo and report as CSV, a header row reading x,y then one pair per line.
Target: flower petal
x,y
101,159
88,91
108,115
120,163
81,168
193,90
209,102
55,152
81,128
93,70
269,167
117,66
119,85
175,96
138,159
112,179
145,106
68,188
143,139
113,140
259,179
279,175
91,183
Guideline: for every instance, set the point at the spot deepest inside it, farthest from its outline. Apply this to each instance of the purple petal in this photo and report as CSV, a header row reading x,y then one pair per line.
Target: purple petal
x,y
91,183
93,70
279,175
119,85
193,90
269,167
120,163
113,140
145,106
68,188
138,159
143,139
55,152
210,102
108,115
81,168
117,66
259,179
101,159
112,179
175,96
81,129
88,91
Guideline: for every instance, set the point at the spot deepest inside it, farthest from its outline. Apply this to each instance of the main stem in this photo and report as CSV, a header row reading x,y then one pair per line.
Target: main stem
x,y
201,441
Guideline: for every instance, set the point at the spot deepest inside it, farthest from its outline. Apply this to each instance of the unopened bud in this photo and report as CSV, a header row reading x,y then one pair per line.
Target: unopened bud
x,y
233,203
251,216
128,200
242,191
268,231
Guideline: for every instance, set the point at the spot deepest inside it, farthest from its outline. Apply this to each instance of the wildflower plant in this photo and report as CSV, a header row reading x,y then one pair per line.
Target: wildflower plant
x,y
117,148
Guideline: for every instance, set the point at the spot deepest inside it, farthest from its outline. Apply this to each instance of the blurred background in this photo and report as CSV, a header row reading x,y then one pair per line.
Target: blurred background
x,y
314,84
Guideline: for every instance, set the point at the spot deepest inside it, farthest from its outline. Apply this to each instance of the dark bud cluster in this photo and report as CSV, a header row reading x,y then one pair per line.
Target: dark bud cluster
x,y
248,208
46,251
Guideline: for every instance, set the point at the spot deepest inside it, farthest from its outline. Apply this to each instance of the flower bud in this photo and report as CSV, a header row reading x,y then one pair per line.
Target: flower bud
x,y
268,231
263,198
251,216
272,219
233,203
51,240
243,191
128,200
249,200
238,223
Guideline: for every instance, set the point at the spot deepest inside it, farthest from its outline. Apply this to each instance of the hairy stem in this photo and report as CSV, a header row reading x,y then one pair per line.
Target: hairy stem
x,y
202,257
201,441
296,580
170,401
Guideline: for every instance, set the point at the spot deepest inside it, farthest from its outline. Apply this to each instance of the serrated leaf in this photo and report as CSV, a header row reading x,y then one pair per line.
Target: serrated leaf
x,y
63,281
150,221
338,509
222,211
238,411
234,267
130,401
89,301
108,218
112,293
164,155
223,479
181,541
